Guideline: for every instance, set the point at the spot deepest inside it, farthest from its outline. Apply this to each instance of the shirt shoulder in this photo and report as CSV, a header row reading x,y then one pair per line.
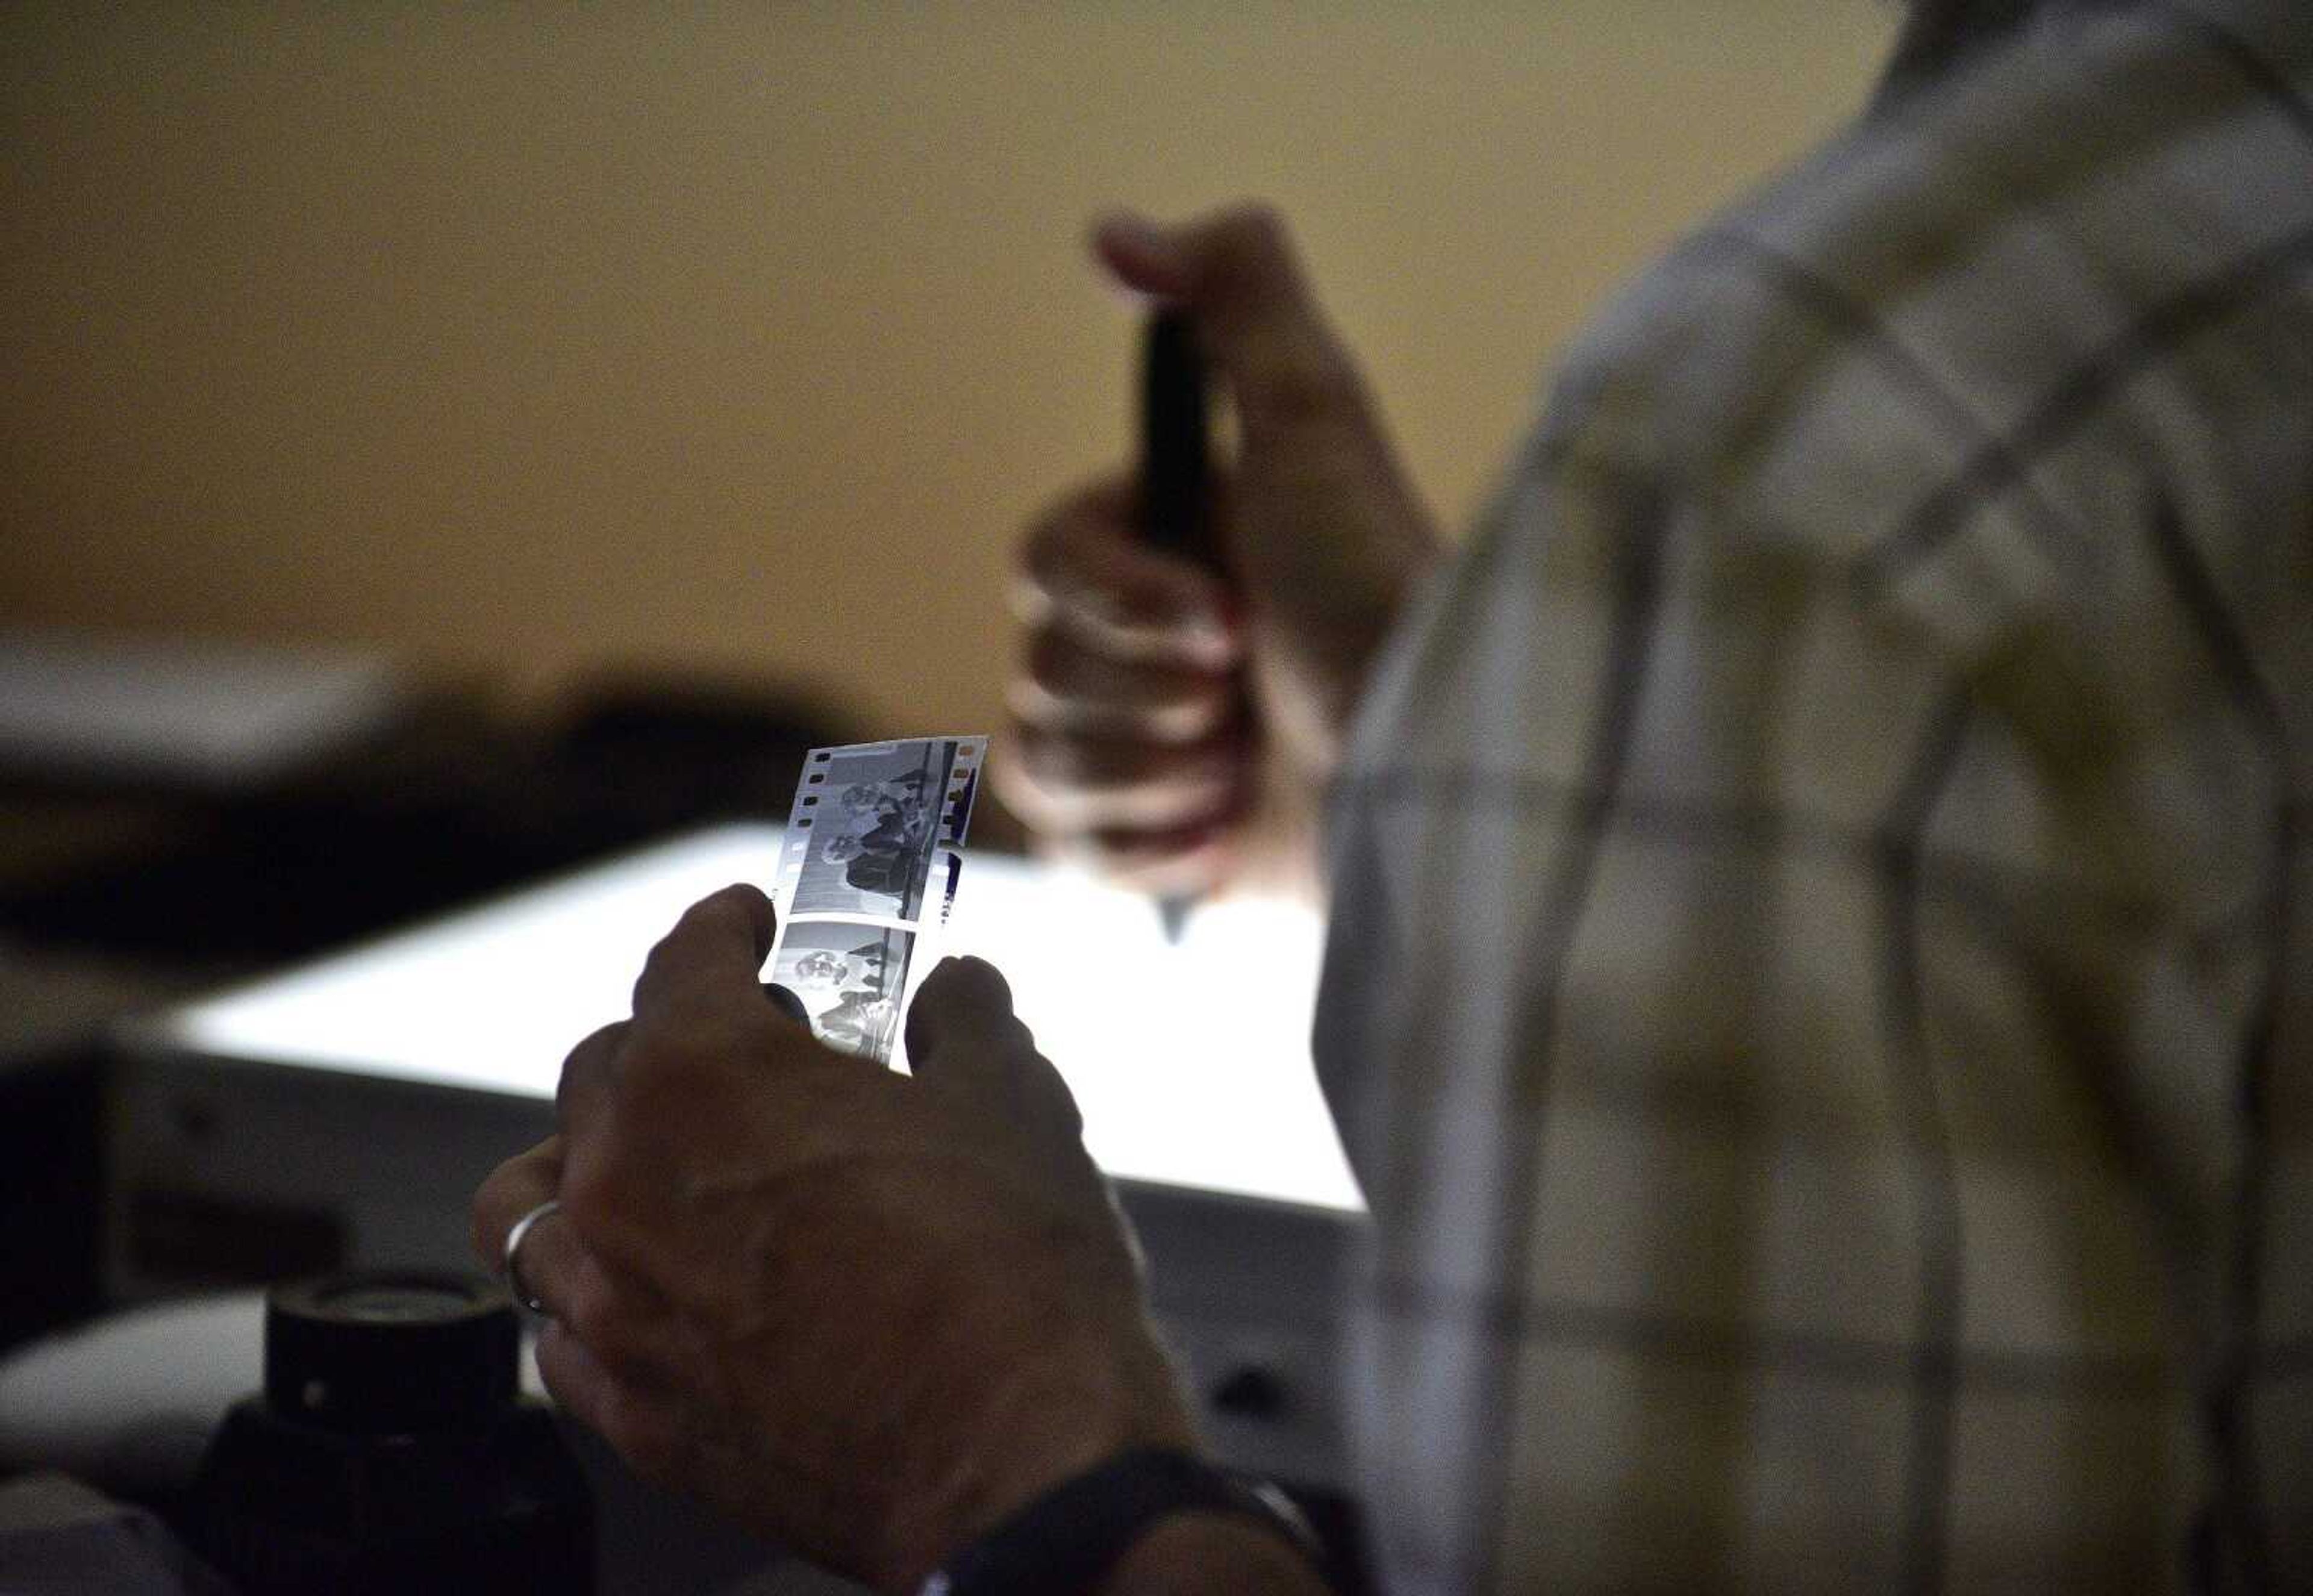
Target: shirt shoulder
x,y
1865,359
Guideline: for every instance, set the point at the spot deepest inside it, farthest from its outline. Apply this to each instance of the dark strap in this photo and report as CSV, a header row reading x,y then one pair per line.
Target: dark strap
x,y
1064,1541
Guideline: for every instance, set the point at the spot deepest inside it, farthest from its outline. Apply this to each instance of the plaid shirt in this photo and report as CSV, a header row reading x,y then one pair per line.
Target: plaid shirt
x,y
1820,991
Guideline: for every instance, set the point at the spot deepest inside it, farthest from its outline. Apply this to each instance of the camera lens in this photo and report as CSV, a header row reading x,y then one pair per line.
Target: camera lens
x,y
391,1353
390,1451
371,1303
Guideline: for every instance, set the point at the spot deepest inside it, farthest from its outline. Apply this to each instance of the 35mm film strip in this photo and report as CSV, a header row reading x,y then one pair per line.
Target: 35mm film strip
x,y
873,852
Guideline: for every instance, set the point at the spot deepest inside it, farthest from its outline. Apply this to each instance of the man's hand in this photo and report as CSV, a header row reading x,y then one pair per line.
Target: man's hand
x,y
1175,727
866,1314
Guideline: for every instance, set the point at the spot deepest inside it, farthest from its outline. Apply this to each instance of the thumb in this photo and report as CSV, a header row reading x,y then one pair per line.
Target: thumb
x,y
1236,274
964,1040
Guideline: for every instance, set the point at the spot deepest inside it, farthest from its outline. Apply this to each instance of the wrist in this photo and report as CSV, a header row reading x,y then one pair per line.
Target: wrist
x,y
1033,1433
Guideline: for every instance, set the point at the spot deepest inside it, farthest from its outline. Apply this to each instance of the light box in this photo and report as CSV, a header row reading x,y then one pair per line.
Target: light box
x,y
1190,1061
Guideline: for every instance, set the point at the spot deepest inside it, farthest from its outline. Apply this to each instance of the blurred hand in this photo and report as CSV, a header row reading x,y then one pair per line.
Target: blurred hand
x,y
1174,727
864,1314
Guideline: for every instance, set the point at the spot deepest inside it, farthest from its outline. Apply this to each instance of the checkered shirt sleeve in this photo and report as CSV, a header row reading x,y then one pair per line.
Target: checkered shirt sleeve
x,y
1820,983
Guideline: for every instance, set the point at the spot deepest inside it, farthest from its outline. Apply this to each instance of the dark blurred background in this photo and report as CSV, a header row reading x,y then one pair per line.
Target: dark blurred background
x,y
623,399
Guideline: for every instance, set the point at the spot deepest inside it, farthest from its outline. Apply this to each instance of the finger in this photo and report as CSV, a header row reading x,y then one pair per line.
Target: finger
x,y
511,1191
1182,859
964,1040
1236,273
636,1421
639,1419
784,999
618,1315
1180,862
536,1250
588,1074
1066,684
963,1011
546,1267
711,962
573,1376
1084,569
544,1263
1073,784
621,1319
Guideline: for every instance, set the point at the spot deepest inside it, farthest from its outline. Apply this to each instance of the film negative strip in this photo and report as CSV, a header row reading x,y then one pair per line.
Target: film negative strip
x,y
871,856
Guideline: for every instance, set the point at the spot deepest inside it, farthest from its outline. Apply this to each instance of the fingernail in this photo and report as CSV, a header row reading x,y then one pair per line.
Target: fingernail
x,y
1132,301
1140,250
786,1003
1132,231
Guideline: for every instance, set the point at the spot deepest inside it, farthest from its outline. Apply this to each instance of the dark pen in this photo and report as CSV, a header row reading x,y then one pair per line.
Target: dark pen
x,y
1175,507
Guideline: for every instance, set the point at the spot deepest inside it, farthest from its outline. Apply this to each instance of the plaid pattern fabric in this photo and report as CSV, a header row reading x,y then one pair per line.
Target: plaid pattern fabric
x,y
1820,990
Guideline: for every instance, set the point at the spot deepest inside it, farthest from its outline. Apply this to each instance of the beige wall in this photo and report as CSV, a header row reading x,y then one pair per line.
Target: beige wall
x,y
532,338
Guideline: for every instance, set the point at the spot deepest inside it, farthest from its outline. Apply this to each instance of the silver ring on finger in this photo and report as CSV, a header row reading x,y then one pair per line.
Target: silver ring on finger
x,y
515,1284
